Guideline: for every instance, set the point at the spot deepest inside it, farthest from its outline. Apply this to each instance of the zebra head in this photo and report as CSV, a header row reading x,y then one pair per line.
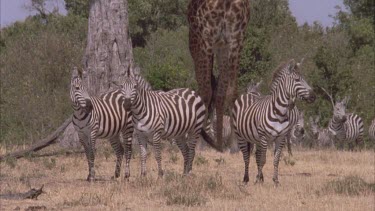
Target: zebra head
x,y
128,89
314,125
296,85
253,88
78,94
339,110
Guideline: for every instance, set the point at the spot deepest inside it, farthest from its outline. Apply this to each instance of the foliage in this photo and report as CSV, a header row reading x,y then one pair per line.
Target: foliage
x,y
39,53
166,60
147,16
35,75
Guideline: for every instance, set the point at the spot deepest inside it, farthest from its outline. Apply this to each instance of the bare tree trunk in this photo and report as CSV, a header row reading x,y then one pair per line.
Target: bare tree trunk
x,y
108,52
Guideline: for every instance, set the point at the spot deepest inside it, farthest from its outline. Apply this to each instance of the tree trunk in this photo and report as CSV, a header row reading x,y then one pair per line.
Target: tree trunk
x,y
109,50
108,53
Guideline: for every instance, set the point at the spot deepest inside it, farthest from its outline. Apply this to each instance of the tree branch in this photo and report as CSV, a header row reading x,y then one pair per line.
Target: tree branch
x,y
51,139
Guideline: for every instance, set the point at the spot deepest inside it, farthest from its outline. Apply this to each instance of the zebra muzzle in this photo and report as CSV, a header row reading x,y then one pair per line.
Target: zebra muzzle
x,y
127,104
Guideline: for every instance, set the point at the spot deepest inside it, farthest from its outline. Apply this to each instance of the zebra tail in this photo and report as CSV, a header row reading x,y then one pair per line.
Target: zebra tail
x,y
210,141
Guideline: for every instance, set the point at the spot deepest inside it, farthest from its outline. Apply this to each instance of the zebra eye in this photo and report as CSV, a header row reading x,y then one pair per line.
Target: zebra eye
x,y
77,87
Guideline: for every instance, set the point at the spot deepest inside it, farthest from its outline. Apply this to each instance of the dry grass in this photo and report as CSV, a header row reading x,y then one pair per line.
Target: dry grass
x,y
311,180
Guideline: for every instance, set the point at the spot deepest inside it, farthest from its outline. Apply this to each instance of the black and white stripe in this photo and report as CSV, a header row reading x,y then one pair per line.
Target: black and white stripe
x,y
322,136
101,117
177,114
297,133
346,127
269,118
371,130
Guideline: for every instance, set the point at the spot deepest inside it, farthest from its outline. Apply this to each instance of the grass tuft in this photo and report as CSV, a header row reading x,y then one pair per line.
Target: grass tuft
x,y
350,185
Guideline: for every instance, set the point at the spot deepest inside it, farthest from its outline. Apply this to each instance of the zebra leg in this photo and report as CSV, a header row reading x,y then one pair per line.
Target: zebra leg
x,y
85,143
91,158
181,144
276,162
245,148
142,141
289,146
128,141
119,151
260,154
157,150
191,152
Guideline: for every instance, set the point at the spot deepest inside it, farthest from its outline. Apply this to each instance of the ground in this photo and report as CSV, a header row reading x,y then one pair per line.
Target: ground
x,y
310,180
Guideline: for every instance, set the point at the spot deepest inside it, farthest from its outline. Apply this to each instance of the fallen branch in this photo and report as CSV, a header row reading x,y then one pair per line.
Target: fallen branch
x,y
51,139
31,194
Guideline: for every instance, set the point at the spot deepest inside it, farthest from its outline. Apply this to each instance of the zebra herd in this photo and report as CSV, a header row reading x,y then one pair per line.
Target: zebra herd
x,y
135,112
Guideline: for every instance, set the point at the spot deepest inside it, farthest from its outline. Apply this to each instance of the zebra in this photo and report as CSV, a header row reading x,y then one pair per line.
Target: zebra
x,y
101,117
346,127
297,133
371,130
179,114
269,118
322,135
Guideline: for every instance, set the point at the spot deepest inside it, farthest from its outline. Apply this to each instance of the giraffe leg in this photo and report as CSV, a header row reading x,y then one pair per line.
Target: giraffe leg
x,y
119,151
202,55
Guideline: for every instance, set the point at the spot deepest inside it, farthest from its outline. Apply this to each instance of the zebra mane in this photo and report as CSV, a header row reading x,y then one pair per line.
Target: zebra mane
x,y
281,70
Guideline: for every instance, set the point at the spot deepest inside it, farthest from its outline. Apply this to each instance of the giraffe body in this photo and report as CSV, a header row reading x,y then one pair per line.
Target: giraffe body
x,y
217,28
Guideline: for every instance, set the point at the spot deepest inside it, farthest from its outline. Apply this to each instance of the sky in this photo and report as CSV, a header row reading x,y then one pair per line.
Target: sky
x,y
304,10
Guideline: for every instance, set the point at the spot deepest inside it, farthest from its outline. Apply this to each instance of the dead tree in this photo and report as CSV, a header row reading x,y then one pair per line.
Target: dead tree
x,y
108,52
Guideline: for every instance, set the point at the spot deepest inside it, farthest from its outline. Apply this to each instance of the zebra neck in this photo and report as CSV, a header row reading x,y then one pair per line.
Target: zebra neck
x,y
281,104
79,112
337,126
140,104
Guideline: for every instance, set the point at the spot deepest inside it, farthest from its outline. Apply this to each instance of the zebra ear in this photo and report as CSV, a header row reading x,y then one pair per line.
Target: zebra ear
x,y
292,65
118,86
75,72
317,119
346,100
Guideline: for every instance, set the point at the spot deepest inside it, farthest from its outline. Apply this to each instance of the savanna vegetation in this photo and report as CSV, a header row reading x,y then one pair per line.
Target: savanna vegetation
x,y
38,54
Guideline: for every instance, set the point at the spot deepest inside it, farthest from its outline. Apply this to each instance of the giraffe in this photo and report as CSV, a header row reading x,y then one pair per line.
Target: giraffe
x,y
217,28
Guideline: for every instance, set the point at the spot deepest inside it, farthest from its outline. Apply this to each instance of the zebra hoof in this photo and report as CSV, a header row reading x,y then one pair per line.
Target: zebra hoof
x,y
246,179
276,182
90,179
259,180
161,173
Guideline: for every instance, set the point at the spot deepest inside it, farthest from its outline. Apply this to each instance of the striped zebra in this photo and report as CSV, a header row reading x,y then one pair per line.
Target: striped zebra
x,y
101,117
297,133
371,130
166,115
322,135
269,118
346,127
